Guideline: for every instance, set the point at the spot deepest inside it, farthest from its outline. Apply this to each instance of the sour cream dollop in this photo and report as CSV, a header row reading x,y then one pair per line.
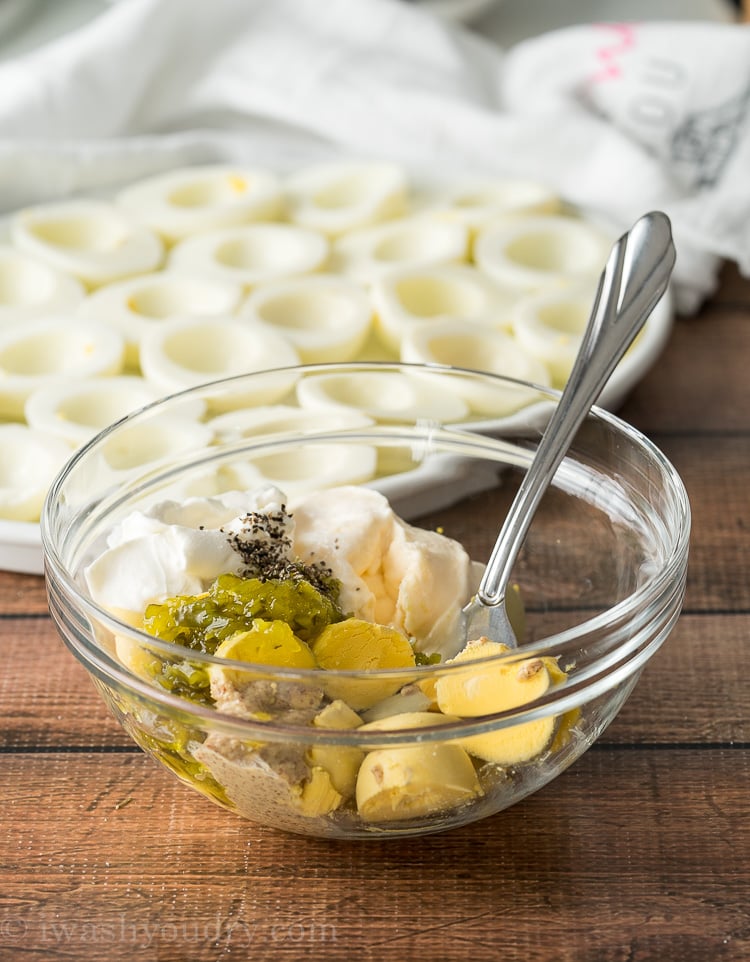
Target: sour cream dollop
x,y
391,572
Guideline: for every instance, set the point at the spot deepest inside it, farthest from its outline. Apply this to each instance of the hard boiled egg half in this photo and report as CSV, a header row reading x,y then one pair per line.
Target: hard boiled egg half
x,y
193,200
31,459
550,325
477,202
367,254
412,295
278,418
473,346
77,409
529,253
336,198
30,288
325,317
252,255
48,349
388,396
184,352
132,307
92,240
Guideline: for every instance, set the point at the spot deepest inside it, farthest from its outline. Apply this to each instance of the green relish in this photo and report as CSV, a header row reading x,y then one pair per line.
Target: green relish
x,y
231,604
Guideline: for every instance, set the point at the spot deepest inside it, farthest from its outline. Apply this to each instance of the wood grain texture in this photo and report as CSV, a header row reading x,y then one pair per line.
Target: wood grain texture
x,y
638,853
145,864
22,594
699,384
716,473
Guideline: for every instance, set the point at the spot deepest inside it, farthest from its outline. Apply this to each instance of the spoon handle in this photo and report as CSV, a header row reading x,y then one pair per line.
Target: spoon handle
x,y
634,279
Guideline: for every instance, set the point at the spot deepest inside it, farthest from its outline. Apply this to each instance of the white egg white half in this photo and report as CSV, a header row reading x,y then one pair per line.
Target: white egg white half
x,y
339,197
30,288
90,239
387,396
326,317
30,461
414,241
309,467
432,293
48,349
477,202
473,346
134,306
78,409
530,253
549,325
192,200
184,352
282,418
251,255
149,441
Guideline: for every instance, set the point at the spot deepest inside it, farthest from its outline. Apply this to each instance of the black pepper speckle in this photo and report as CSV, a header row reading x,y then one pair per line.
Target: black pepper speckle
x,y
265,549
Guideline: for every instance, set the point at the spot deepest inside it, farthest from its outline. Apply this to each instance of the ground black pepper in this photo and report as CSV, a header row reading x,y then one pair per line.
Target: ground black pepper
x,y
265,548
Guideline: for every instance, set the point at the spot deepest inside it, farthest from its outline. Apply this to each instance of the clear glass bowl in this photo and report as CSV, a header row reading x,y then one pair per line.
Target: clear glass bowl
x,y
601,576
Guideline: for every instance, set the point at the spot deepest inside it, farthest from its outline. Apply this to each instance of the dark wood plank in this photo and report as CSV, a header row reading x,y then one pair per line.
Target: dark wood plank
x,y
716,473
46,697
22,594
699,383
593,868
693,690
733,291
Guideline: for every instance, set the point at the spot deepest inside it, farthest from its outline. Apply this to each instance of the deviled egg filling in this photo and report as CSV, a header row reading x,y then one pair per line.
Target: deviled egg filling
x,y
316,609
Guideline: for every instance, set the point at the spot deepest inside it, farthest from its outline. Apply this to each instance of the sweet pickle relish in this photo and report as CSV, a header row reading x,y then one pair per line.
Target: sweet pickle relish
x,y
231,604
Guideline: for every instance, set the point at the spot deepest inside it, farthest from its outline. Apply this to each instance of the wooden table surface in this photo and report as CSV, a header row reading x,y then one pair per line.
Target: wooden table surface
x,y
637,853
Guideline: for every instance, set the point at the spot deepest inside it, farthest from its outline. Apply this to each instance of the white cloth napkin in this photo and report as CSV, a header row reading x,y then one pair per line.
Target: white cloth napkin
x,y
618,118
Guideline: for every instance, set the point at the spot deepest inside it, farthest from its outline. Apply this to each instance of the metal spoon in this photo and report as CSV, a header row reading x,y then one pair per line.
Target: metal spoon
x,y
634,279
